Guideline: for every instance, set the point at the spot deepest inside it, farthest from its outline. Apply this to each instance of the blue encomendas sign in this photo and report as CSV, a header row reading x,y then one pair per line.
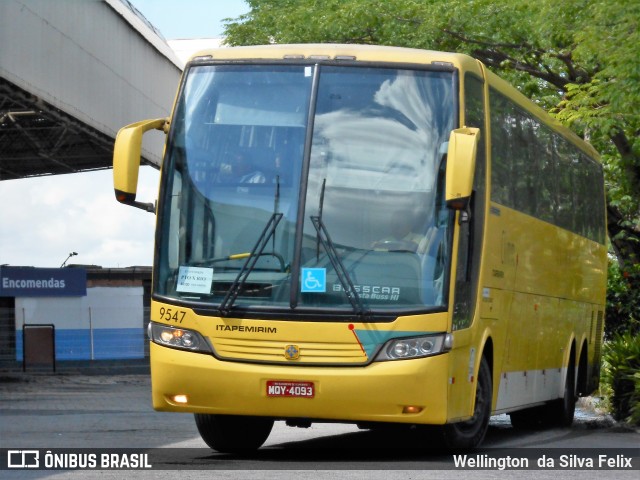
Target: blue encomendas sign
x,y
42,282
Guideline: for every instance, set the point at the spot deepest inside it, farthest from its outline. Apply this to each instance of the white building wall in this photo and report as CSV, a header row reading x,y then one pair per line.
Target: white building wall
x,y
105,324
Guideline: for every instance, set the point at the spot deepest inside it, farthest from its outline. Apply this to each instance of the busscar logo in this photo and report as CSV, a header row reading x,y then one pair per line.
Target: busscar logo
x,y
23,459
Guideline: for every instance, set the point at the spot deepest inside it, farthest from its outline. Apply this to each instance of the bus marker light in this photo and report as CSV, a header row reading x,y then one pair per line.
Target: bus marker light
x,y
443,64
448,342
202,58
412,409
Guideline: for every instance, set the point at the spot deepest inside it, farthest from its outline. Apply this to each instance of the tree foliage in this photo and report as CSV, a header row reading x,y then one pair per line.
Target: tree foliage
x,y
622,314
621,376
578,59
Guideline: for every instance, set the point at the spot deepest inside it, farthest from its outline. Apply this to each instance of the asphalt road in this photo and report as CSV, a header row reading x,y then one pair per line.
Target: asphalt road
x,y
109,412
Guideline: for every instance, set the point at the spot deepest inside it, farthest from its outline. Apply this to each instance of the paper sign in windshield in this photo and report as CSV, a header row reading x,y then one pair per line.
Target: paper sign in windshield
x,y
195,280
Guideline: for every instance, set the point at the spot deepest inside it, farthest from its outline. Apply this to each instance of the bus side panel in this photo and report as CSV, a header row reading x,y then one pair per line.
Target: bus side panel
x,y
542,283
460,380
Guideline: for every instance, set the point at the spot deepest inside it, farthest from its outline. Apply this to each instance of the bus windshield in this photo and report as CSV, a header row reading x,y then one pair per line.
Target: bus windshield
x,y
307,188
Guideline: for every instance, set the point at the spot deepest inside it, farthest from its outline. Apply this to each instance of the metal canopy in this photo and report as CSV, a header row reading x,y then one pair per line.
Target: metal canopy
x,y
37,139
71,75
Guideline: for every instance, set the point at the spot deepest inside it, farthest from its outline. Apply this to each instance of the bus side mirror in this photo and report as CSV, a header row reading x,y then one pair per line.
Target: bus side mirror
x,y
127,153
461,164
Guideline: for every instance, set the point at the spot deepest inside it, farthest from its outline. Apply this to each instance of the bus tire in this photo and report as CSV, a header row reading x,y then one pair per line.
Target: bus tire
x,y
470,434
233,433
560,412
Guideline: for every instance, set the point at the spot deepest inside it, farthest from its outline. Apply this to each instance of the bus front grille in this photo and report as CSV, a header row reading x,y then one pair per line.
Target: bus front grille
x,y
266,351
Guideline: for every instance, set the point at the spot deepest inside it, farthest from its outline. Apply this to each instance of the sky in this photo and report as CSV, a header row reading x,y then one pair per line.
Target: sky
x,y
44,219
180,19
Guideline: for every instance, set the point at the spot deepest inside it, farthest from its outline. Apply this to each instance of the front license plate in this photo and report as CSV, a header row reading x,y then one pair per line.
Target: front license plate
x,y
277,388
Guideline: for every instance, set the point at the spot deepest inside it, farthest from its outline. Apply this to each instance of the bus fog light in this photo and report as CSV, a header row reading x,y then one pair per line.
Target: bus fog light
x,y
417,347
180,399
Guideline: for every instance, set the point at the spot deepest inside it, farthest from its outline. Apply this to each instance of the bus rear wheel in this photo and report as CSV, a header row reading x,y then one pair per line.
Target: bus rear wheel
x,y
470,434
233,433
560,412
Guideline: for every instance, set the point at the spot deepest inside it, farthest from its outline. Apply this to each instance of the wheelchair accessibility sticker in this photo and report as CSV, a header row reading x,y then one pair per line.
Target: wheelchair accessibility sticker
x,y
314,280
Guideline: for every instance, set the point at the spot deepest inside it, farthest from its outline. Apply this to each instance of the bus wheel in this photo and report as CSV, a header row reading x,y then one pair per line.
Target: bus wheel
x,y
560,412
233,434
470,434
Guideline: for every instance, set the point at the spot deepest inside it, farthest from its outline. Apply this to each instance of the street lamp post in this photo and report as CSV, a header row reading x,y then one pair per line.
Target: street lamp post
x,y
72,254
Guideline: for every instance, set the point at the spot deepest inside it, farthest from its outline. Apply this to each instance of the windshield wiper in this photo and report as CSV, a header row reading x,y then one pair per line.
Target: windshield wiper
x,y
268,232
252,258
324,238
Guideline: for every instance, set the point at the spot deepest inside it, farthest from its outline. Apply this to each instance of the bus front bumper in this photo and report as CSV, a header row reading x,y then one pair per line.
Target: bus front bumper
x,y
406,391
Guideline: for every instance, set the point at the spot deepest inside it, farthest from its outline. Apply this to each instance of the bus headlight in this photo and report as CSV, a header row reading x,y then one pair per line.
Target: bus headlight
x,y
416,347
178,338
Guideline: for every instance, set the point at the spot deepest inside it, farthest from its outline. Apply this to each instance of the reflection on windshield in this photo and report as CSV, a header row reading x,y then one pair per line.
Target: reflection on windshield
x,y
236,159
376,152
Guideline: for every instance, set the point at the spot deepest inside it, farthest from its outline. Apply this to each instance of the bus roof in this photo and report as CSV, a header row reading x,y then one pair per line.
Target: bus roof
x,y
331,51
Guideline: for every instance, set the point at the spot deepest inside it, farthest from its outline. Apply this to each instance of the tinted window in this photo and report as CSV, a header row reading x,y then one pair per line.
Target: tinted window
x,y
538,172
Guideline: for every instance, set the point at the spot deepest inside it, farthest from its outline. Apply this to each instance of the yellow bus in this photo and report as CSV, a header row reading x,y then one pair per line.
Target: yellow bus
x,y
368,235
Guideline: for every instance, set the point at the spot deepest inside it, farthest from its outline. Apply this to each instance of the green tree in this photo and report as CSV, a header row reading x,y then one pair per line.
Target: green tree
x,y
621,374
579,59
